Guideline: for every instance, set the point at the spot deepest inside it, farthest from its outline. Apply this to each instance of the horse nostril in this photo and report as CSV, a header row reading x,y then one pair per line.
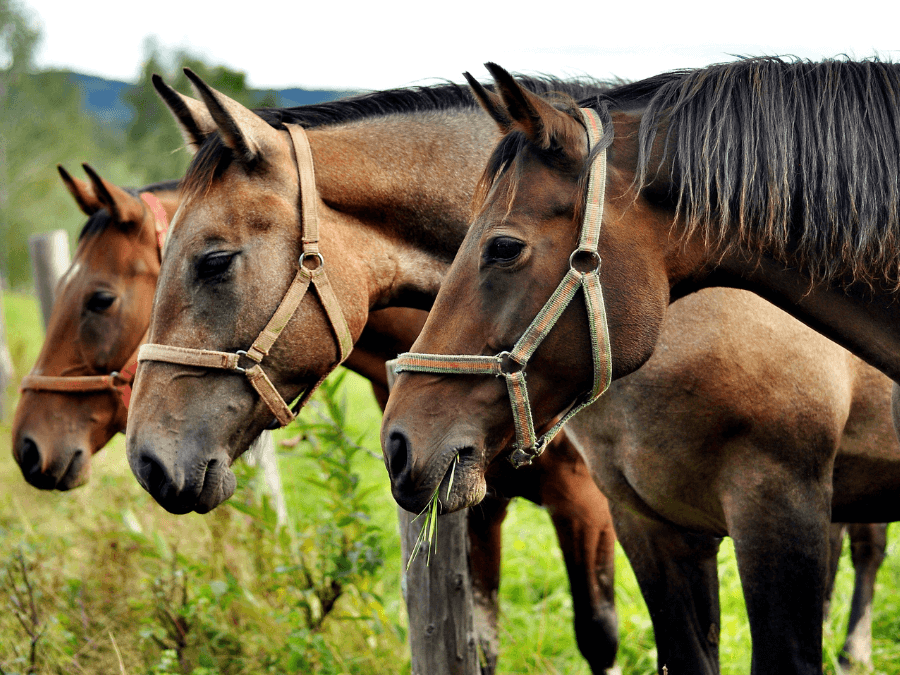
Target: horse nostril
x,y
152,475
29,457
398,453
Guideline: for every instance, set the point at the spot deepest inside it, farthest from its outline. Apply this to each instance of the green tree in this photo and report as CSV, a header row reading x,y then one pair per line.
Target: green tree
x,y
153,133
18,38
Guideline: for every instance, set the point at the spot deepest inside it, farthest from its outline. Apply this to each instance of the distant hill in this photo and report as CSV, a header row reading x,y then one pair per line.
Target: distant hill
x,y
105,99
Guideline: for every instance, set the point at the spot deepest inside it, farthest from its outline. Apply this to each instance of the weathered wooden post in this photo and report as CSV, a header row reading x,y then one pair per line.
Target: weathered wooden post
x,y
438,595
49,261
6,365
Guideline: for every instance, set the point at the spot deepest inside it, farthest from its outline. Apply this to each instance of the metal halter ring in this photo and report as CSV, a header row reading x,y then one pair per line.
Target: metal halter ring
x,y
506,361
589,252
307,254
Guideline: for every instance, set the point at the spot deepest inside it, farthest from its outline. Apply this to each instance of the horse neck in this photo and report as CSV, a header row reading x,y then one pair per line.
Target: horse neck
x,y
863,320
407,180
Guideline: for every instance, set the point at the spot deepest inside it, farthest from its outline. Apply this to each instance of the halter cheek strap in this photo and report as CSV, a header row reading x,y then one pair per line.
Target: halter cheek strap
x,y
119,381
511,365
308,274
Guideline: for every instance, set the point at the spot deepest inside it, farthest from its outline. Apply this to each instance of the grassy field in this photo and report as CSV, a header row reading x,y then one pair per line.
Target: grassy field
x,y
120,586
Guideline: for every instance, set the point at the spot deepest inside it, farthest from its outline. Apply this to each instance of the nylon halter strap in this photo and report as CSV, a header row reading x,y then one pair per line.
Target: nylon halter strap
x,y
305,276
511,364
119,381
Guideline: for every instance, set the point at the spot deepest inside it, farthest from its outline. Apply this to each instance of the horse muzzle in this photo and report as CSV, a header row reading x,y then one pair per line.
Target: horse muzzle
x,y
198,484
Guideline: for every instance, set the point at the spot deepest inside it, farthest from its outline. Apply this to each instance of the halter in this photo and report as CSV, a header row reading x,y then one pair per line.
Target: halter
x,y
309,231
511,364
118,381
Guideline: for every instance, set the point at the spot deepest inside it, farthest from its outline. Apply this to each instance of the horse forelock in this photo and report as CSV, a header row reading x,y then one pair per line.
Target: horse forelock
x,y
794,159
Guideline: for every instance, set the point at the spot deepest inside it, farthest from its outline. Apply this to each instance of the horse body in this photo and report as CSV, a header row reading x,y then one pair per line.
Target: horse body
x,y
724,198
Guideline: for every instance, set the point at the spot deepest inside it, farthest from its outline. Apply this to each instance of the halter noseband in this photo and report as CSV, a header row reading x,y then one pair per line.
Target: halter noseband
x,y
511,364
118,381
309,229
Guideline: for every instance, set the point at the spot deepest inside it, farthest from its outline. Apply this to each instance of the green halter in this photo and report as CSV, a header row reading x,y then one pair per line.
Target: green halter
x,y
511,364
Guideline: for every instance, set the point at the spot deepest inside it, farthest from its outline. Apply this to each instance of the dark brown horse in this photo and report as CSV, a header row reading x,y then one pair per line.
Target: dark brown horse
x,y
561,483
758,174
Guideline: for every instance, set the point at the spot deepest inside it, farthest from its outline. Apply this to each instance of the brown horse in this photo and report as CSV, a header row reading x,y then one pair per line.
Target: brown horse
x,y
561,483
99,318
749,174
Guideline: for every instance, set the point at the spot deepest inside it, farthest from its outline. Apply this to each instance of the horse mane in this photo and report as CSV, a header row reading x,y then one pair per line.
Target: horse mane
x,y
214,156
99,222
797,159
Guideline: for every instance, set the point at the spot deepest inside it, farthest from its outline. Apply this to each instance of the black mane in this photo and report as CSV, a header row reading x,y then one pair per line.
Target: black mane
x,y
796,159
213,156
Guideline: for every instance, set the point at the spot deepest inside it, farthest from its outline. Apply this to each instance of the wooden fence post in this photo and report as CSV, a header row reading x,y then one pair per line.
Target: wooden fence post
x,y
438,595
49,261
7,371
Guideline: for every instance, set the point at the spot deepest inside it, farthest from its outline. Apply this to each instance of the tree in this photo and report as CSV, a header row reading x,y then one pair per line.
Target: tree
x,y
153,130
18,38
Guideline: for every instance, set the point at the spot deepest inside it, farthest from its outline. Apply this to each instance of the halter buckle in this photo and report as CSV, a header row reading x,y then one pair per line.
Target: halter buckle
x,y
241,352
585,255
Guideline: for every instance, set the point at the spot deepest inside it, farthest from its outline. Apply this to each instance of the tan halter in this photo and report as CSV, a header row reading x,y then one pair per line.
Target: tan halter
x,y
309,228
511,364
118,381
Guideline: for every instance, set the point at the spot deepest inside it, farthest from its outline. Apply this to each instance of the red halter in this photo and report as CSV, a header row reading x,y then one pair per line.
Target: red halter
x,y
118,381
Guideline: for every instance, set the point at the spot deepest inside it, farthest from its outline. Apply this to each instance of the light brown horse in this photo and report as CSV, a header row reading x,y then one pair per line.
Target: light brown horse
x,y
743,174
56,433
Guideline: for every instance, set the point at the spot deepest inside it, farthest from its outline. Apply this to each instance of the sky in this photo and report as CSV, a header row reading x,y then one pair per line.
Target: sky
x,y
383,44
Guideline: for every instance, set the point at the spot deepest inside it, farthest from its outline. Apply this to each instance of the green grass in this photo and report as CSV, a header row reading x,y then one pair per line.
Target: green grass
x,y
105,562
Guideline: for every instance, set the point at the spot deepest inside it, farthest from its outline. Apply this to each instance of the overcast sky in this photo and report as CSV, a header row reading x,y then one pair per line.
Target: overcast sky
x,y
377,45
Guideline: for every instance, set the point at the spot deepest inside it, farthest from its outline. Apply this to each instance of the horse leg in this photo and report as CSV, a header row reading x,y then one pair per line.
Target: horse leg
x,y
676,571
780,532
485,545
584,528
835,544
867,546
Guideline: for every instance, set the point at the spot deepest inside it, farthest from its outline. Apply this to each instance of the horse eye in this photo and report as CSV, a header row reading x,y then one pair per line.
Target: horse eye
x,y
503,250
100,301
215,264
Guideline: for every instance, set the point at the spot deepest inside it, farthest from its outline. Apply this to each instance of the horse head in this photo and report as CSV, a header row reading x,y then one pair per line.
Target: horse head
x,y
72,402
239,244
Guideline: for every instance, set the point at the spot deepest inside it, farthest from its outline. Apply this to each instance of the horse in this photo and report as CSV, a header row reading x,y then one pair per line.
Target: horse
x,y
74,400
101,272
757,174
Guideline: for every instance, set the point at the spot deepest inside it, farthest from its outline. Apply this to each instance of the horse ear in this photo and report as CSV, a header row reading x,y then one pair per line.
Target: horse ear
x,y
85,198
242,130
125,209
194,120
541,122
491,102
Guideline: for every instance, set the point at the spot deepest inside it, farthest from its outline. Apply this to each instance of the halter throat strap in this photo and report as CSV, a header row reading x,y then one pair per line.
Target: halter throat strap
x,y
119,381
310,272
511,365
